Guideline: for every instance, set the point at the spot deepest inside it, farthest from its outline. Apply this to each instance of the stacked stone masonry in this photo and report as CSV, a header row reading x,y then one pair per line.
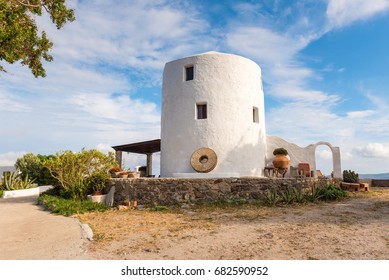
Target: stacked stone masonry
x,y
170,191
380,183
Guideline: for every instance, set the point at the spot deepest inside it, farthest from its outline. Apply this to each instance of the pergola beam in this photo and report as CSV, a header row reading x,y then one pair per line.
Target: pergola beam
x,y
147,148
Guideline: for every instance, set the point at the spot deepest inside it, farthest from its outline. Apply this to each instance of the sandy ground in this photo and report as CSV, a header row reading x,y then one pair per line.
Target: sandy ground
x,y
356,228
27,232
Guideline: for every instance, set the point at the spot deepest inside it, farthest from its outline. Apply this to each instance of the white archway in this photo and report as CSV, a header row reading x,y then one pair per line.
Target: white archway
x,y
336,167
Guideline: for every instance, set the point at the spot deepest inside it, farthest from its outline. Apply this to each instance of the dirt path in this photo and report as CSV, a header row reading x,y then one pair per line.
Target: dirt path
x,y
356,228
27,232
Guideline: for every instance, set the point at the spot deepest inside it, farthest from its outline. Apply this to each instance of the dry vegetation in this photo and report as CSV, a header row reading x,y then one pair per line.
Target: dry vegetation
x,y
355,228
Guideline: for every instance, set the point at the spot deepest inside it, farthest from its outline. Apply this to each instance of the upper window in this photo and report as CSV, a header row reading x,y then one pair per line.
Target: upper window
x,y
255,115
189,73
201,111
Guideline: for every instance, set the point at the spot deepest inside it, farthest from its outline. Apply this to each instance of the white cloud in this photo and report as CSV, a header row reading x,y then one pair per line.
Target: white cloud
x,y
9,158
324,154
344,12
141,34
120,108
104,148
277,55
360,114
373,150
263,44
11,103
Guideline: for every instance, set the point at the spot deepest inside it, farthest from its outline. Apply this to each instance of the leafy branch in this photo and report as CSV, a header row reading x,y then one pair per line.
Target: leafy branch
x,y
19,38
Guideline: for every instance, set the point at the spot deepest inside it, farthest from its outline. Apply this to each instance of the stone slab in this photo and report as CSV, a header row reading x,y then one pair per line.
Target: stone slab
x,y
206,175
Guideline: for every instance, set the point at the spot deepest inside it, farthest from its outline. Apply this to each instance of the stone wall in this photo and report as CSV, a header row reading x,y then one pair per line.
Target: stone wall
x,y
380,183
169,191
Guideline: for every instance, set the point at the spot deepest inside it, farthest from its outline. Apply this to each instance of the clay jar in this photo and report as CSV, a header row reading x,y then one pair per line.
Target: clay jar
x,y
280,161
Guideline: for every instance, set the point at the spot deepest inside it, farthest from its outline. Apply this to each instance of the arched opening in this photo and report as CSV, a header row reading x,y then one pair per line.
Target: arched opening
x,y
324,159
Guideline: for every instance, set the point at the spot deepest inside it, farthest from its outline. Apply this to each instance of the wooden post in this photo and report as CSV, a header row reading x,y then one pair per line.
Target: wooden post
x,y
149,169
119,157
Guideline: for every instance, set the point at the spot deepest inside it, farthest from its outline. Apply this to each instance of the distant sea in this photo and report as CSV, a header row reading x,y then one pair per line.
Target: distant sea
x,y
6,168
374,176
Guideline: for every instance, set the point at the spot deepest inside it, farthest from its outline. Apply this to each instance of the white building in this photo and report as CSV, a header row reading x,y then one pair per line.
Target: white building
x,y
213,122
215,101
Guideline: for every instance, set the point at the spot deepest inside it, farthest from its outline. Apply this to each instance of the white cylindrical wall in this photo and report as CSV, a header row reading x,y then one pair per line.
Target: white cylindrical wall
x,y
231,87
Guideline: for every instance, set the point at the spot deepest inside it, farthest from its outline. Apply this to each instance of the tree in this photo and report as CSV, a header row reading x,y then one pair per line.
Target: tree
x,y
33,166
72,170
19,38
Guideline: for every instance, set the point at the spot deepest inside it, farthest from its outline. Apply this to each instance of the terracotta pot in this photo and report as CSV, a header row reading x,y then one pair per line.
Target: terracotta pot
x,y
281,161
97,193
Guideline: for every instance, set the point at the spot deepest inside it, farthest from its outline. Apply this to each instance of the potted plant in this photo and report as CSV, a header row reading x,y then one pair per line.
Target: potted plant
x,y
124,174
142,170
133,174
96,183
114,171
280,160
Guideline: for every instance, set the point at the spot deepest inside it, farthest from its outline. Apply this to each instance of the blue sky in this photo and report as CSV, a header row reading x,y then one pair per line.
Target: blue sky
x,y
324,66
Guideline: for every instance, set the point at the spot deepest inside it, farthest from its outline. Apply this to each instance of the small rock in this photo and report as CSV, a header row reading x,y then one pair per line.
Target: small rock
x,y
122,207
268,235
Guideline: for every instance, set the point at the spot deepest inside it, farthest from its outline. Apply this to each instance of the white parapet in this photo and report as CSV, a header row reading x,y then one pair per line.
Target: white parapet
x,y
26,192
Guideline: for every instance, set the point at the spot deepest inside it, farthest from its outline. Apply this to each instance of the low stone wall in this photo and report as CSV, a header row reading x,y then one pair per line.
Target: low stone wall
x,y
168,191
380,183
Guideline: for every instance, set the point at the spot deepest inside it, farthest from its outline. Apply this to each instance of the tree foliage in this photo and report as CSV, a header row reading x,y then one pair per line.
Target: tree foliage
x,y
33,166
72,170
19,35
350,176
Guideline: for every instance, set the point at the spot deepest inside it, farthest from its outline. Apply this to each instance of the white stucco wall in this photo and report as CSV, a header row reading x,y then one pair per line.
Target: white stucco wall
x,y
26,192
231,86
298,154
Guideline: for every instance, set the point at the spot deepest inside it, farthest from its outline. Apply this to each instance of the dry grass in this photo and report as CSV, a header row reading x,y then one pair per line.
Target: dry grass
x,y
356,228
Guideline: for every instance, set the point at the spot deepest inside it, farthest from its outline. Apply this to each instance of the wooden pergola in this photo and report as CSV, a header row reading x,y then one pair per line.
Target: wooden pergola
x,y
147,148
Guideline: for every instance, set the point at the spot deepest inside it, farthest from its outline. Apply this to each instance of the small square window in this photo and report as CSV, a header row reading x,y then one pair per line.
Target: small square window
x,y
201,111
255,115
189,73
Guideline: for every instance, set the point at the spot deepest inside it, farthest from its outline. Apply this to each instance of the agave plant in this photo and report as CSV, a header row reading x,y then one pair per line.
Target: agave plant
x,y
271,197
299,194
315,194
26,183
12,181
287,196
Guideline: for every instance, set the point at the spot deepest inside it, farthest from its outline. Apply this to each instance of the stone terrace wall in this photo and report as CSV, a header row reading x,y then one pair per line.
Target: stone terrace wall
x,y
380,183
168,191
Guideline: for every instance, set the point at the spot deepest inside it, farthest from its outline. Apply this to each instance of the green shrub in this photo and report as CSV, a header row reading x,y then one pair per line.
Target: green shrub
x,y
33,166
68,207
331,192
97,182
159,208
71,170
350,176
280,151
